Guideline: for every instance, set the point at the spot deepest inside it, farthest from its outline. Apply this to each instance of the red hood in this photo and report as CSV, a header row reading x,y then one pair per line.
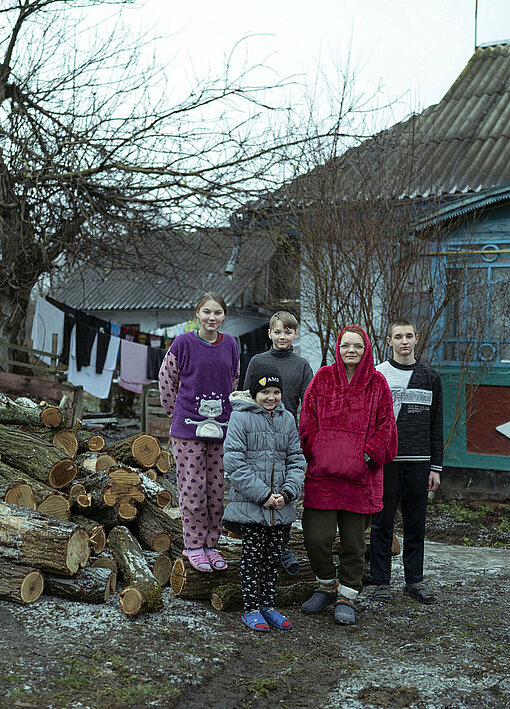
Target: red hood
x,y
365,369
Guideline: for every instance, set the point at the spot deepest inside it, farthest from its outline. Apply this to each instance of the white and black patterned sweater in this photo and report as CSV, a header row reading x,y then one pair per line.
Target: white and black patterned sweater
x,y
418,407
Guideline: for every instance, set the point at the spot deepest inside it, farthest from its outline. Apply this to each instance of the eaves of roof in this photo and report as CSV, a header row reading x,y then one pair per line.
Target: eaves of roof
x,y
459,146
463,205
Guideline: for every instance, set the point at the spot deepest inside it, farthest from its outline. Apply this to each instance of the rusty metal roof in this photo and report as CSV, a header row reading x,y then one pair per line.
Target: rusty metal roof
x,y
180,273
460,145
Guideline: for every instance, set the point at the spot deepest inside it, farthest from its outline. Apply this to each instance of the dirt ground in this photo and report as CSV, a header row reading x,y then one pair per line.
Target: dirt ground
x,y
56,654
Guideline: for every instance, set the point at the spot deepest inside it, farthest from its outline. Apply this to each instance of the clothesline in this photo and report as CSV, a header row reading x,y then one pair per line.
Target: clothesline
x,y
93,348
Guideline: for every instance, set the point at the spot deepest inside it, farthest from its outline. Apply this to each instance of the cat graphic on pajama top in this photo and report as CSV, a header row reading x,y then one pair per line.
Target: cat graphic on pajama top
x,y
210,428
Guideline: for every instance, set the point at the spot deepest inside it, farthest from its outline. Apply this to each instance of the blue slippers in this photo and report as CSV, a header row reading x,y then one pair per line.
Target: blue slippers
x,y
255,621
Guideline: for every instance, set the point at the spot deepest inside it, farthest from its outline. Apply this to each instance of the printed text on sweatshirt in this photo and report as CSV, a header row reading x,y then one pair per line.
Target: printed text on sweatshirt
x,y
418,407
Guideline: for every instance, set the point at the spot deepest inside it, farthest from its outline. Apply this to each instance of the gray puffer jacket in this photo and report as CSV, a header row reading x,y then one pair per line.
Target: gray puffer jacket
x,y
262,456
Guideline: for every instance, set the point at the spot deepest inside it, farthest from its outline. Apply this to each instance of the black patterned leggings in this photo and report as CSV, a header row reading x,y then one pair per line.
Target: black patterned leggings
x,y
260,564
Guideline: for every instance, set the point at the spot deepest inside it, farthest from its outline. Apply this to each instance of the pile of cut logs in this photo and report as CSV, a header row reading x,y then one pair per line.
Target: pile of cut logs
x,y
75,514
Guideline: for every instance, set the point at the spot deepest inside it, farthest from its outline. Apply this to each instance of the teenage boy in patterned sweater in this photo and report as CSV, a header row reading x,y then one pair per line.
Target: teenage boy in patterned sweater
x,y
418,408
296,375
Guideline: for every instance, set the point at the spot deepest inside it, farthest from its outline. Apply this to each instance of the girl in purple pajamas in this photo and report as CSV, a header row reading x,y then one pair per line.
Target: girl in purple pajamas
x,y
199,372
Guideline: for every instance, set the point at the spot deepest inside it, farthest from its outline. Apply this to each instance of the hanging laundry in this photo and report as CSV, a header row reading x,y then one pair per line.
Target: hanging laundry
x,y
96,384
127,333
142,338
133,366
86,331
155,357
69,323
48,320
103,342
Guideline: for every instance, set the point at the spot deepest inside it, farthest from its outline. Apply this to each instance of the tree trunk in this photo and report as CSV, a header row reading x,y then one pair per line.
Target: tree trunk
x,y
47,543
95,462
48,500
151,533
89,441
20,584
169,519
105,560
90,585
67,441
39,459
160,565
162,480
164,462
97,536
143,592
56,505
17,492
154,492
230,597
141,450
187,582
37,415
123,492
63,438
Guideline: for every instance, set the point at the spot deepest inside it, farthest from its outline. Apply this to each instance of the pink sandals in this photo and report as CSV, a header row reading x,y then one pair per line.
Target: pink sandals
x,y
198,559
215,559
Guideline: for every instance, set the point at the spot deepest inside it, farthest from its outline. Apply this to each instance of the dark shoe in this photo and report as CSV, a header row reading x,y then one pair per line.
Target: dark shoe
x,y
289,562
319,601
345,613
420,593
381,593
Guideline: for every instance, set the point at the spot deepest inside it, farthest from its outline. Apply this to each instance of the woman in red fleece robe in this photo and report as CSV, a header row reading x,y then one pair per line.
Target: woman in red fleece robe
x,y
348,433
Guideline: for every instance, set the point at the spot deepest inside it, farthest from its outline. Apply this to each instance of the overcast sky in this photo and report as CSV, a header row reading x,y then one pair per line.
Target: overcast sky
x,y
414,48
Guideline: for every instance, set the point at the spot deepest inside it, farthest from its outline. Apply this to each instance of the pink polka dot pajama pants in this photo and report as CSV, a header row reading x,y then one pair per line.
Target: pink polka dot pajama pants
x,y
200,479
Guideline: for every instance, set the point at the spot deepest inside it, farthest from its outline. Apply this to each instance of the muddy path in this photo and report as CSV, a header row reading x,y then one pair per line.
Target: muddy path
x,y
62,655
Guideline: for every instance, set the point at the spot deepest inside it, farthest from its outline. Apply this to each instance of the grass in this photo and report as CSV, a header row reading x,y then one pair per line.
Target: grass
x,y
113,679
264,687
462,513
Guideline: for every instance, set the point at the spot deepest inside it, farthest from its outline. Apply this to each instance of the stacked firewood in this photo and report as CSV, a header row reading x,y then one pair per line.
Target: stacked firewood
x,y
75,515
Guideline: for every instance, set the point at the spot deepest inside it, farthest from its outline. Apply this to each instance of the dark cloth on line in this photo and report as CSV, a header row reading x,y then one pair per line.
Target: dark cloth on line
x,y
155,357
103,342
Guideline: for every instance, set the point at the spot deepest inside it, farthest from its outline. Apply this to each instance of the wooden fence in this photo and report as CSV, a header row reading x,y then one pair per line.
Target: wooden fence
x,y
41,381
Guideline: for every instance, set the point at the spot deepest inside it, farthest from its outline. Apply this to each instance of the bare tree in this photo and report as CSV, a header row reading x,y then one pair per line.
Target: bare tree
x,y
363,250
95,159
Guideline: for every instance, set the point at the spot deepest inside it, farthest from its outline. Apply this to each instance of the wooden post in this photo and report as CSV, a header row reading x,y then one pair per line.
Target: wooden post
x,y
54,352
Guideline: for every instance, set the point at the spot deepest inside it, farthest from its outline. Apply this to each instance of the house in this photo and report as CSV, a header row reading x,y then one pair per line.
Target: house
x,y
164,292
438,184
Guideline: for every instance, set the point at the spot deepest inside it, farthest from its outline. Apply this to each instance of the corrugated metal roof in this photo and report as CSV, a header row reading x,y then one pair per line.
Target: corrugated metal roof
x,y
195,263
457,146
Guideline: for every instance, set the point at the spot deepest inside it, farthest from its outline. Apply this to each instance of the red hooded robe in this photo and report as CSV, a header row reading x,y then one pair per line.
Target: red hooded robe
x,y
339,422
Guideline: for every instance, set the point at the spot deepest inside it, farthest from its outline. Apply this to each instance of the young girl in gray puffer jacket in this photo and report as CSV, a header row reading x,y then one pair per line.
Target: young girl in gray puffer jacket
x,y
263,458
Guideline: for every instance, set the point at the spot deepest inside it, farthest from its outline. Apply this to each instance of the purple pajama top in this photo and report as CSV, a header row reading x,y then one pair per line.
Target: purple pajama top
x,y
195,381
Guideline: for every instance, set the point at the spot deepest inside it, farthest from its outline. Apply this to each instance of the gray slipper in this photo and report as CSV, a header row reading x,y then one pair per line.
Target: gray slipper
x,y
319,601
381,593
345,613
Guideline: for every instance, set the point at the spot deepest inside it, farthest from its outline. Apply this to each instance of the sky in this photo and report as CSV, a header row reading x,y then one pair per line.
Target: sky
x,y
412,49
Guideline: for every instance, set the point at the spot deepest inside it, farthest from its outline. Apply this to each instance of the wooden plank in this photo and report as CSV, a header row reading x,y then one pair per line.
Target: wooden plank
x,y
39,388
28,365
158,427
22,348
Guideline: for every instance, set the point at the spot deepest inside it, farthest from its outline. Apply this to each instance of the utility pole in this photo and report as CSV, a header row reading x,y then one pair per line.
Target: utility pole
x,y
476,23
